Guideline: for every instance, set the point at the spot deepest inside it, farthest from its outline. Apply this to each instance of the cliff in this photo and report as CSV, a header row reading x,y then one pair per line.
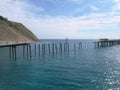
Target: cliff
x,y
13,31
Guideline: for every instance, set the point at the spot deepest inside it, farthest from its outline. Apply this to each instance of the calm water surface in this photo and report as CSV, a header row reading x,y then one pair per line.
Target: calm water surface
x,y
86,69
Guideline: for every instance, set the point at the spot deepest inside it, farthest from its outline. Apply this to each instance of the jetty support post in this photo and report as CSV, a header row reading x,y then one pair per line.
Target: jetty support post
x,y
15,53
53,48
56,48
39,49
74,47
49,49
27,51
35,50
80,46
30,51
10,52
23,50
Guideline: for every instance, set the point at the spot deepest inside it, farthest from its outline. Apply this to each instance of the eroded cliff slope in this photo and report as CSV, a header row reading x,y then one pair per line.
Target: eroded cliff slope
x,y
13,31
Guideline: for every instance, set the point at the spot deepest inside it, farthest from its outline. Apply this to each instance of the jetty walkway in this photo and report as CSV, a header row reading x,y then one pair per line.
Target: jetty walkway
x,y
12,47
13,43
106,42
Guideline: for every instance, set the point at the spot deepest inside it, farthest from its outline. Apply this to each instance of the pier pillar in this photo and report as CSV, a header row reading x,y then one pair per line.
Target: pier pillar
x,y
74,47
27,51
53,48
56,48
80,45
39,49
15,52
49,48
35,50
30,51
23,50
10,52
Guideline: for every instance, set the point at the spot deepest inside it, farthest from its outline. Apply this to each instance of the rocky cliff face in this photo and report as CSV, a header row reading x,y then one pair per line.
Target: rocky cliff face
x,y
13,31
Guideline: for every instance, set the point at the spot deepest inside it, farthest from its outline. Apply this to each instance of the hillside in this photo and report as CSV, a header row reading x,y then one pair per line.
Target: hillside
x,y
13,31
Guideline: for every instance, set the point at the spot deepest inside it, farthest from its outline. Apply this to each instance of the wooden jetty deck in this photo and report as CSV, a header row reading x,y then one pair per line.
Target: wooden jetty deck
x,y
106,42
12,47
17,44
13,43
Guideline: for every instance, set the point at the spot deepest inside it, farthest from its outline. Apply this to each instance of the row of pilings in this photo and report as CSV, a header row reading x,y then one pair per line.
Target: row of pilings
x,y
55,48
26,48
42,49
100,44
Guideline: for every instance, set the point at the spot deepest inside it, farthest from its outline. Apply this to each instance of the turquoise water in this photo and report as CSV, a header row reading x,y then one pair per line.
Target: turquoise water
x,y
86,69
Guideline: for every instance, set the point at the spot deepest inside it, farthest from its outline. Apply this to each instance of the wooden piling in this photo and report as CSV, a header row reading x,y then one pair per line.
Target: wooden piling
x,y
66,41
75,47
80,46
35,50
49,48
43,50
56,48
10,52
60,48
53,48
68,47
14,55
30,51
64,47
15,52
27,51
23,50
39,49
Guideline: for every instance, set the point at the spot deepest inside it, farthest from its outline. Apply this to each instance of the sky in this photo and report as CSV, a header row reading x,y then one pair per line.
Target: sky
x,y
58,19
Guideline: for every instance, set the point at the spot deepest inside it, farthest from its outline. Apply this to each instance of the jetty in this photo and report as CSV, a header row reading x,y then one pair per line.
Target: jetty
x,y
31,49
106,42
13,43
12,47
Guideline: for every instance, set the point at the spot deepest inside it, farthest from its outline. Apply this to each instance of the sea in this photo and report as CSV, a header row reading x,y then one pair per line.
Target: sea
x,y
84,68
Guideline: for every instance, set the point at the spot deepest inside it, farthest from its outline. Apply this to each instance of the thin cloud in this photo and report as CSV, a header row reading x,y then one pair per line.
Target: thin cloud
x,y
53,1
117,5
76,1
94,8
59,27
17,9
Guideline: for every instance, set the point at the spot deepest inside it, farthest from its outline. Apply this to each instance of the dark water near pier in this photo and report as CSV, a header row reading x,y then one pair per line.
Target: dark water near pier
x,y
86,69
